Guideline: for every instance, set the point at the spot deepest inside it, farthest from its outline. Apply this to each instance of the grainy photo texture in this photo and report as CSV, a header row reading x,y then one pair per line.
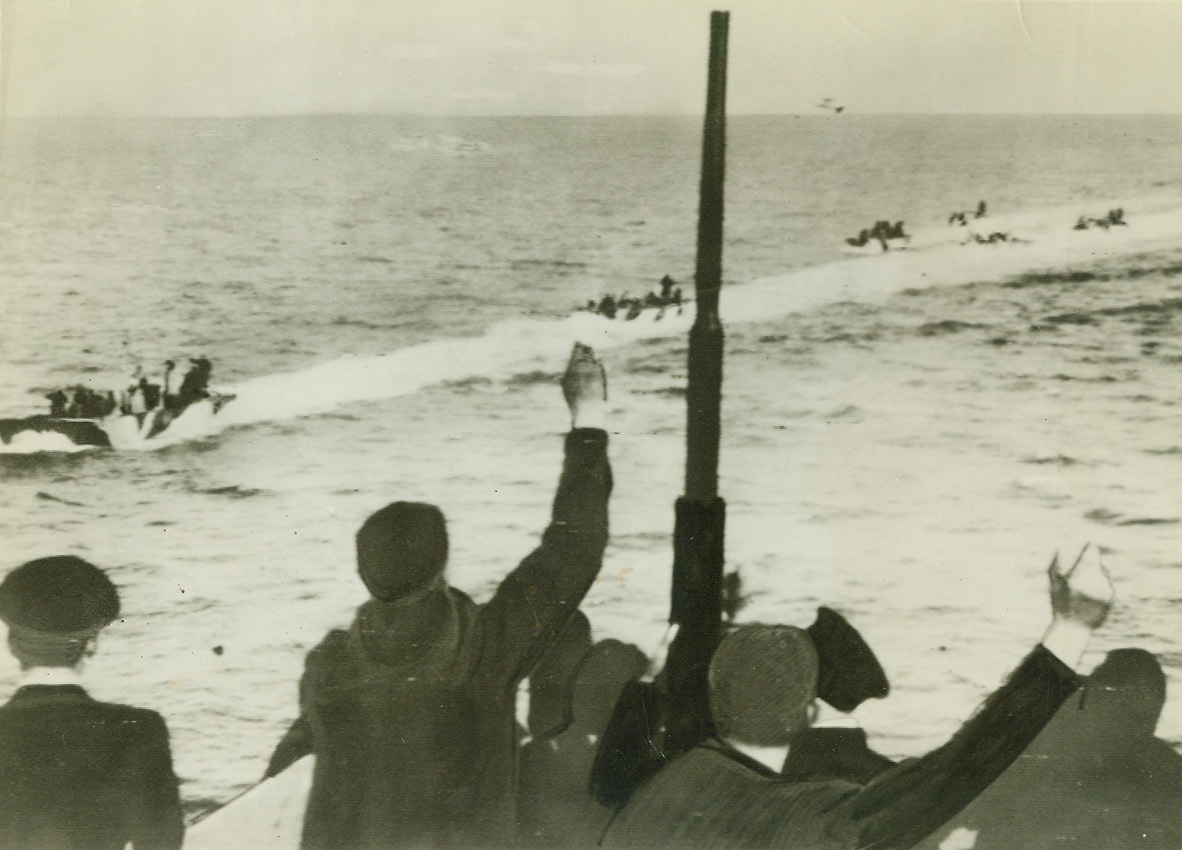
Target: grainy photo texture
x,y
557,424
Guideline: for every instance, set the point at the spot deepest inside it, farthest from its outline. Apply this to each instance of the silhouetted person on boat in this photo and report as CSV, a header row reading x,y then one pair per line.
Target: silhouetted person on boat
x,y
195,384
76,774
667,284
168,394
727,793
981,210
410,712
607,307
57,403
1096,778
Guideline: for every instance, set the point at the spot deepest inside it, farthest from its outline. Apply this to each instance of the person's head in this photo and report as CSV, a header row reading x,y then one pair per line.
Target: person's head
x,y
762,682
402,550
600,678
1129,688
55,608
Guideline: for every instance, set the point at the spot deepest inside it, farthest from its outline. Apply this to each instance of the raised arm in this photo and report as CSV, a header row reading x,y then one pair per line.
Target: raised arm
x,y
905,804
535,601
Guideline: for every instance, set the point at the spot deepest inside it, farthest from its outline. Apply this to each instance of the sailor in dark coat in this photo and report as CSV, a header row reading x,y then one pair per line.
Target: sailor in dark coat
x,y
846,674
1095,779
727,792
411,712
76,774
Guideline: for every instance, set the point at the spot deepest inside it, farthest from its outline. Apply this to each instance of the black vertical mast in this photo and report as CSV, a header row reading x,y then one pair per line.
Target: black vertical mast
x,y
701,514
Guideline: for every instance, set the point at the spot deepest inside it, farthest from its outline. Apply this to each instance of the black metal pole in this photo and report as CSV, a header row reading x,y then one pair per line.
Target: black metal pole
x,y
698,536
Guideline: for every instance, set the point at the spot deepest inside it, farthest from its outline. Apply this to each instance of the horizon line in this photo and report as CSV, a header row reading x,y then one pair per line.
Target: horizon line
x,y
500,115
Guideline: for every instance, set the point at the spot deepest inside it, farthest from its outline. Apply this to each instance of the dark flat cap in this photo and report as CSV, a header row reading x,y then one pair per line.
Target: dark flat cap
x,y
848,673
63,595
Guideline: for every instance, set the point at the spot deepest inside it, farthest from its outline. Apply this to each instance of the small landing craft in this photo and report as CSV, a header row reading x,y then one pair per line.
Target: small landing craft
x,y
653,306
879,239
80,417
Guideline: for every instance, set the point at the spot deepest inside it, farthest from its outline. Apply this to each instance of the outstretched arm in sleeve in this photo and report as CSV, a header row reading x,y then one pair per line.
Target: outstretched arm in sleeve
x,y
534,602
907,803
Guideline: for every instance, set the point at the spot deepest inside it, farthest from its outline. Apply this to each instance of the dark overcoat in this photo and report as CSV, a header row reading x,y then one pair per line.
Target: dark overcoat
x,y
78,774
416,745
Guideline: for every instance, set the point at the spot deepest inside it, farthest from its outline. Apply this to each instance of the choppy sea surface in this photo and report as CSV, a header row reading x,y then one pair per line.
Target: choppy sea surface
x,y
907,438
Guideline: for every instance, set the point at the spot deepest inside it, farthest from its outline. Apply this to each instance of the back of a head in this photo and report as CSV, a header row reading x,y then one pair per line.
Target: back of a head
x,y
53,607
1129,688
402,549
762,680
600,678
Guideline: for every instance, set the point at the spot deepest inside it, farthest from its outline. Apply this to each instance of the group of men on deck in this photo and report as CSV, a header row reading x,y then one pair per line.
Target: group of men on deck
x,y
411,713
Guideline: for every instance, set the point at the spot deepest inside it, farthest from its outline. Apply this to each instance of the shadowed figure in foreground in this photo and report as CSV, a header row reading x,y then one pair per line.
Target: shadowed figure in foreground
x,y
411,711
1095,779
833,663
727,792
556,808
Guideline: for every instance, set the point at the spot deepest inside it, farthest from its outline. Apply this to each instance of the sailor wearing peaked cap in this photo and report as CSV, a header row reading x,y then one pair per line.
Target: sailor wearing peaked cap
x,y
833,746
76,773
848,672
54,607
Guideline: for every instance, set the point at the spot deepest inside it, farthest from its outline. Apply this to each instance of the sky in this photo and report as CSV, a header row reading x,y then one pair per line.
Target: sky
x,y
574,57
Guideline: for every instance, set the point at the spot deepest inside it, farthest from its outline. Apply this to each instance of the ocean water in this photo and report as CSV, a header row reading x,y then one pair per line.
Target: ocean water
x,y
907,438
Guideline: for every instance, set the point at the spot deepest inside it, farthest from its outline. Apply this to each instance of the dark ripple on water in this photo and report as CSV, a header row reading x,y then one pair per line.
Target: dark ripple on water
x,y
232,491
669,392
1073,318
1057,460
1089,379
49,497
946,326
1113,518
532,378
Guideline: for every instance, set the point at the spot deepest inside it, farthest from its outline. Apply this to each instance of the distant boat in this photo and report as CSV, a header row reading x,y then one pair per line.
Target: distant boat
x,y
650,308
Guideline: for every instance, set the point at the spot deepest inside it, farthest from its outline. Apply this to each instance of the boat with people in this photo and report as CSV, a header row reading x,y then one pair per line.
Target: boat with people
x,y
1114,218
961,218
143,411
879,239
627,308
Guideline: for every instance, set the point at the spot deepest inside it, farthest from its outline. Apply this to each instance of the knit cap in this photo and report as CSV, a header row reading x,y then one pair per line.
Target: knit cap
x,y
402,549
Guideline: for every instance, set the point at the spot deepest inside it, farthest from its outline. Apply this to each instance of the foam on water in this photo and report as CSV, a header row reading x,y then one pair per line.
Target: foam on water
x,y
35,442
